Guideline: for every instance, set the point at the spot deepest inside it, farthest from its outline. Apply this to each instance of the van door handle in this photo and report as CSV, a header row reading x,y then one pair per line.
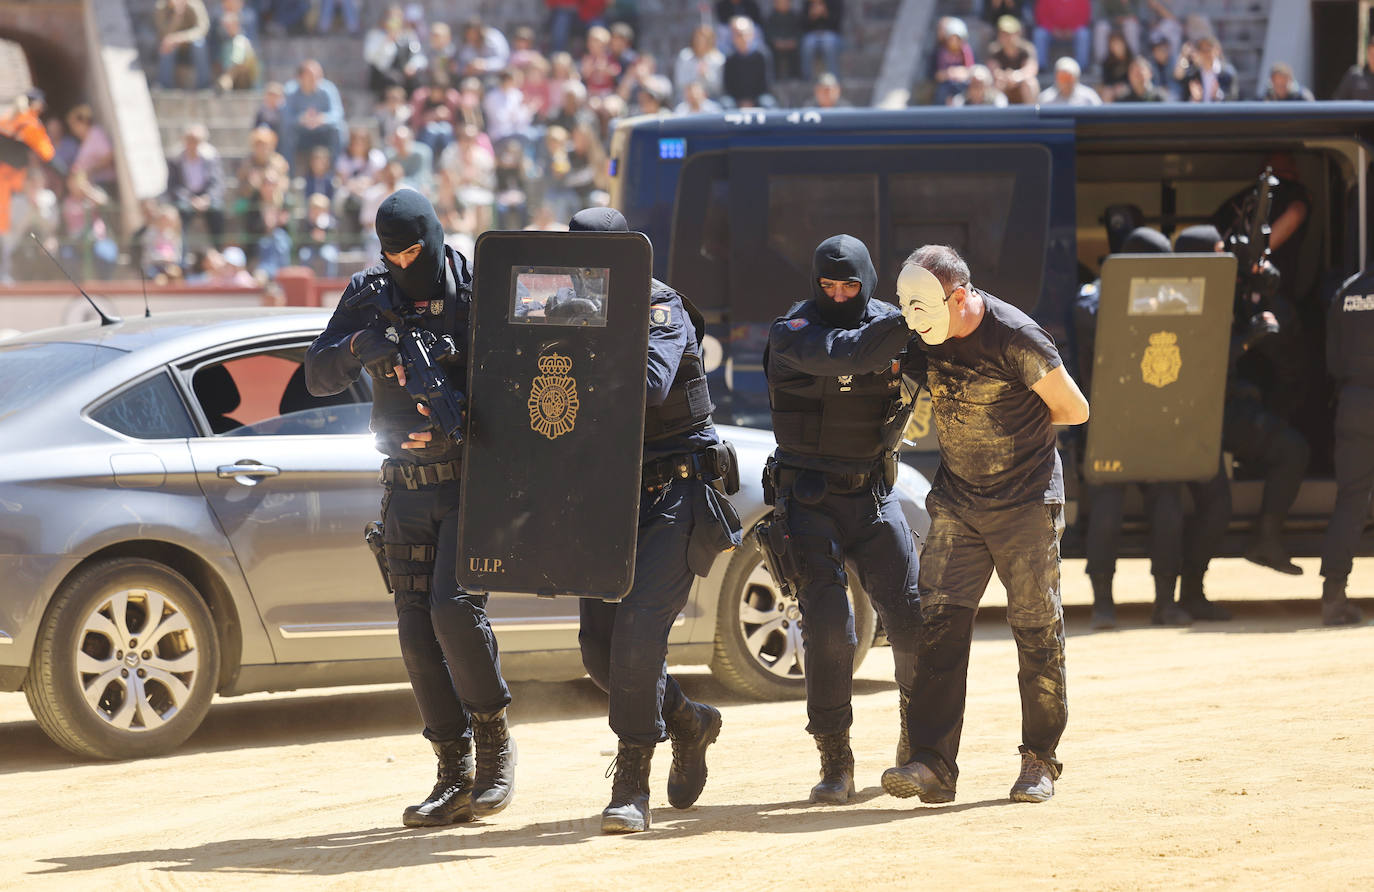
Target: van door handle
x,y
247,469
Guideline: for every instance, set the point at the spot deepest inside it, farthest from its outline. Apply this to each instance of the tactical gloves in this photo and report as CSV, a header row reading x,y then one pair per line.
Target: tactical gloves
x,y
378,355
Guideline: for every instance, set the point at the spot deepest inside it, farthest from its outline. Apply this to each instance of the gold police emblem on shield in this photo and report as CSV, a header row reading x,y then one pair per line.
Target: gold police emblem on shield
x,y
1161,363
553,397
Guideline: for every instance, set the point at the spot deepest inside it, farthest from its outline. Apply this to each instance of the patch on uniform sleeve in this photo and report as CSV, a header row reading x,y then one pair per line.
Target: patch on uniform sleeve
x,y
659,314
796,324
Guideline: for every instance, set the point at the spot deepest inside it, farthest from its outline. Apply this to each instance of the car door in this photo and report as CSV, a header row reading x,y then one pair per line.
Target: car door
x,y
292,479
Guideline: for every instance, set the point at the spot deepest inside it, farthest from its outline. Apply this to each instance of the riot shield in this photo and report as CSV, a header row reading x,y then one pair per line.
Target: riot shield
x,y
558,341
1159,367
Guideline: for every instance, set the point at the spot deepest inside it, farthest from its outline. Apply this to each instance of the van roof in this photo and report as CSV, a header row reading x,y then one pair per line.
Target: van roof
x,y
1120,120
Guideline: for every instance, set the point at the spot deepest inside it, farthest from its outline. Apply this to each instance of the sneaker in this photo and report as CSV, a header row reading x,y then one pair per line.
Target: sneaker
x,y
1104,617
1036,782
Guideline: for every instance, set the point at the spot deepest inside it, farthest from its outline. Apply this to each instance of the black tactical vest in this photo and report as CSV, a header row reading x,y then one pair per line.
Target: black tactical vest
x,y
688,406
393,409
837,417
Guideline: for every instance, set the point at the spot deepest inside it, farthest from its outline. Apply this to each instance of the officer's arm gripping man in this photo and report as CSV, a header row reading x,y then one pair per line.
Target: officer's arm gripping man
x,y
667,342
330,366
820,350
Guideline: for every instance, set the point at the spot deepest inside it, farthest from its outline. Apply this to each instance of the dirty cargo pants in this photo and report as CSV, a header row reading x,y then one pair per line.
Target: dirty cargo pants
x,y
963,548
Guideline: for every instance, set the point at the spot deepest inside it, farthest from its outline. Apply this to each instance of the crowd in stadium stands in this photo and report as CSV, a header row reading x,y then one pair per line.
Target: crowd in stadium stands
x,y
1130,51
511,130
499,130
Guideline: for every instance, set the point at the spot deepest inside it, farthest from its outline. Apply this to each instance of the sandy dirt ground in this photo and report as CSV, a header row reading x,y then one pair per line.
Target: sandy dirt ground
x,y
1232,755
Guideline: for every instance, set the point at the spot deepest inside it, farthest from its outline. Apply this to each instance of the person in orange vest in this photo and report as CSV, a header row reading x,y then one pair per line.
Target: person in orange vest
x,y
22,135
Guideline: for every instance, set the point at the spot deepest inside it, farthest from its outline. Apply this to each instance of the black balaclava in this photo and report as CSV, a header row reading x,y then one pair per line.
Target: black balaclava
x,y
1144,240
406,218
598,220
1201,239
843,258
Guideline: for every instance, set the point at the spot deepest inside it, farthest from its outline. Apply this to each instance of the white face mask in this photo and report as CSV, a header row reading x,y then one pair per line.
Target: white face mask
x,y
924,305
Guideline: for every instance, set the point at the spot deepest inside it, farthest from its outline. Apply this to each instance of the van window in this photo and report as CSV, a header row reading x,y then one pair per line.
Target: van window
x,y
747,221
806,209
698,264
969,212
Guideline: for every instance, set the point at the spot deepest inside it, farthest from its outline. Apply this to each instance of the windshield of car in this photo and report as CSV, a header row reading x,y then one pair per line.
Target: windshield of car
x,y
29,372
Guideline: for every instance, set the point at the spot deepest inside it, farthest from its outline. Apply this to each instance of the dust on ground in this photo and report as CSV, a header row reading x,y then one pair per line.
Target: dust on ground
x,y
1231,755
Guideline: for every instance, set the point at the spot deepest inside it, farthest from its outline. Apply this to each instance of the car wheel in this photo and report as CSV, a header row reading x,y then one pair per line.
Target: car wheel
x,y
759,648
126,661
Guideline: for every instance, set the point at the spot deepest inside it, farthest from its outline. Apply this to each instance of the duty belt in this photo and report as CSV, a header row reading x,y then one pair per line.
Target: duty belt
x,y
840,484
414,476
662,471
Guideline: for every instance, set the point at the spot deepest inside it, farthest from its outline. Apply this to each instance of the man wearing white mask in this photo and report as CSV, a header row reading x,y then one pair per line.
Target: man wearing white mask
x,y
998,387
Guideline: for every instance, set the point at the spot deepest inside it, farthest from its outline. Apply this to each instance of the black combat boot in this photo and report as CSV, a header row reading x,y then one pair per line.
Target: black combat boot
x,y
451,800
1192,599
1267,550
1104,609
1336,607
903,740
628,811
494,786
917,778
837,769
1166,612
692,728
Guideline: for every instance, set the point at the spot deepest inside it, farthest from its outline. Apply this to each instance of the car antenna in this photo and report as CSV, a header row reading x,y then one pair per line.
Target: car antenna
x,y
105,318
142,274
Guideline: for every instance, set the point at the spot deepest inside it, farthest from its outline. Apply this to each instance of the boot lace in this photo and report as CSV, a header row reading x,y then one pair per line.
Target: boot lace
x,y
625,770
493,749
835,755
1033,771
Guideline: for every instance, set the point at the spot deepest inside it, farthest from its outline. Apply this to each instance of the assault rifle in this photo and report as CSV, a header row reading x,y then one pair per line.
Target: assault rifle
x,y
420,351
1250,242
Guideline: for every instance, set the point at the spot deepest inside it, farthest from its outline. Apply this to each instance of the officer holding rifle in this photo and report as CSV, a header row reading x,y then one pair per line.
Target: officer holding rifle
x,y
405,321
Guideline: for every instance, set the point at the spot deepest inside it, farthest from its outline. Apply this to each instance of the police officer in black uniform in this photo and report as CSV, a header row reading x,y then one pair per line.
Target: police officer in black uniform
x,y
447,644
683,524
1252,431
1176,545
834,365
1350,358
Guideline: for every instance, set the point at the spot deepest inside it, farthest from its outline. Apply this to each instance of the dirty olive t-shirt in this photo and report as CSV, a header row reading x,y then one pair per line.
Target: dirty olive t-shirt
x,y
996,439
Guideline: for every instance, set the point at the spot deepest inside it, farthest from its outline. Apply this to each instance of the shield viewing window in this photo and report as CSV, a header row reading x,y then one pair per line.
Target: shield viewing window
x,y
1166,297
559,295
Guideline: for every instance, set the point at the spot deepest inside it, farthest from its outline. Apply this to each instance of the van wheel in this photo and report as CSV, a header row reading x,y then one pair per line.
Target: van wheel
x,y
759,648
126,661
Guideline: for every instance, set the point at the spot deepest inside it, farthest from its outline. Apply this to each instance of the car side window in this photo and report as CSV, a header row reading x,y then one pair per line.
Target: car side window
x,y
149,410
264,394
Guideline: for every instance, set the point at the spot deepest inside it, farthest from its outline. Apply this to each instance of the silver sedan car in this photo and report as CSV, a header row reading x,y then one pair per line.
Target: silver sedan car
x,y
179,517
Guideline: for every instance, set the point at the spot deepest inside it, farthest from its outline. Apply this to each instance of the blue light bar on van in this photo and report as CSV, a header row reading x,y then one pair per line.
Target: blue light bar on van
x,y
672,148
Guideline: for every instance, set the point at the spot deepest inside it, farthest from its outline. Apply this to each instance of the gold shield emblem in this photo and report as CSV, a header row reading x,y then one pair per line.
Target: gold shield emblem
x,y
553,397
1161,363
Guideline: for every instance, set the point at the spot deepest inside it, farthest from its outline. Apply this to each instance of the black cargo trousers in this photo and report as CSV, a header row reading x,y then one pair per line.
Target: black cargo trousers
x,y
1354,459
447,644
963,548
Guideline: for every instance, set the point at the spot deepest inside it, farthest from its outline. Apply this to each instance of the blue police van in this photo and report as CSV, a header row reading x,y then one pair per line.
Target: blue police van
x,y
735,204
